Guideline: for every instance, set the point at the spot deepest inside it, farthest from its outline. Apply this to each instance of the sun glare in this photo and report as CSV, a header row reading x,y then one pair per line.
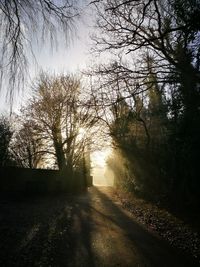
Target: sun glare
x,y
102,175
81,132
99,157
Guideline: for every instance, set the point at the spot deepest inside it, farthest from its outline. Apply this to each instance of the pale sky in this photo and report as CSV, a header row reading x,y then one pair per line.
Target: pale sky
x,y
73,58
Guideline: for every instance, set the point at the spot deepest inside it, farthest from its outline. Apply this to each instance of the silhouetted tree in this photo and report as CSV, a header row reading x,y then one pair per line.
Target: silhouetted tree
x,y
157,26
166,83
5,138
26,146
62,118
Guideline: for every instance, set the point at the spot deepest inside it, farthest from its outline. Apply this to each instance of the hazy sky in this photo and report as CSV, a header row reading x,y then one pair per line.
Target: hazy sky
x,y
69,58
64,59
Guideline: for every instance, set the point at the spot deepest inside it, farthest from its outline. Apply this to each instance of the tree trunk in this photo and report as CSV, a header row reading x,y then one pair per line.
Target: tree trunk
x,y
60,156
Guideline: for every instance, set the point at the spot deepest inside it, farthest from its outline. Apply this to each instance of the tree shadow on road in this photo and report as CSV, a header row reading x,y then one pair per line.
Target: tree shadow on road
x,y
62,230
155,251
46,232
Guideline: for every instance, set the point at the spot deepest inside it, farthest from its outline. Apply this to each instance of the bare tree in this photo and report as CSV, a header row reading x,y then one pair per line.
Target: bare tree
x,y
26,147
62,118
24,22
5,138
164,30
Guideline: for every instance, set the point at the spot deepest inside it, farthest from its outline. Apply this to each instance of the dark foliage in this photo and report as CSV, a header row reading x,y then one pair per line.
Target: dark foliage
x,y
152,88
5,137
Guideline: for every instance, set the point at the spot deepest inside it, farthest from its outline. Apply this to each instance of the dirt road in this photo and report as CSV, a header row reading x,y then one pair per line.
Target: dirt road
x,y
90,229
